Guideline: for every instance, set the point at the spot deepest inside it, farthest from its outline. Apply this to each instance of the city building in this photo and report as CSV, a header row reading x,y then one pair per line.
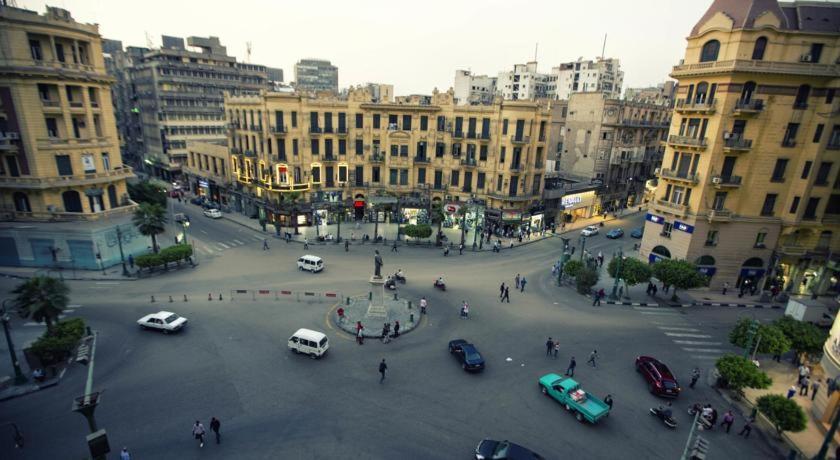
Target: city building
x,y
274,75
381,92
524,82
601,75
297,157
749,187
118,62
316,75
63,197
207,171
473,89
178,95
662,94
606,148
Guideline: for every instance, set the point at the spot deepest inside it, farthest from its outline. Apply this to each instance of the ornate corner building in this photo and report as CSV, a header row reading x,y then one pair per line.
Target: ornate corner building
x,y
63,197
749,187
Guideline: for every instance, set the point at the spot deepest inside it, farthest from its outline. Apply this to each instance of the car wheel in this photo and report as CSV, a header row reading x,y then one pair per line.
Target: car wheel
x,y
579,417
313,356
568,407
544,390
294,350
638,369
166,331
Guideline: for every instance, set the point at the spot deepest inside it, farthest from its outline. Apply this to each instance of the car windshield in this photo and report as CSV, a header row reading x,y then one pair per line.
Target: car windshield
x,y
669,384
171,318
472,355
501,450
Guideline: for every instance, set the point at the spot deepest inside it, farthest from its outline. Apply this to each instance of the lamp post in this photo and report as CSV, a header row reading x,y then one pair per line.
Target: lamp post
x,y
122,254
4,317
186,225
582,246
614,295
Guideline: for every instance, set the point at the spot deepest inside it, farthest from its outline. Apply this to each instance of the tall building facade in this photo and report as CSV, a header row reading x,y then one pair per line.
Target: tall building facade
x,y
353,151
63,197
471,89
118,63
749,187
179,97
316,75
525,82
662,94
601,75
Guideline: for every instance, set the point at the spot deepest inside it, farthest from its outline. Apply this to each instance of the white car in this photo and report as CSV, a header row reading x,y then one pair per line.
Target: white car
x,y
165,321
589,231
213,213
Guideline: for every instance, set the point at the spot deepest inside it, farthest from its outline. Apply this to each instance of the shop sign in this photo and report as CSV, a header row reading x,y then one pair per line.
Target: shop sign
x,y
571,200
752,272
203,183
683,227
512,215
654,218
653,258
452,208
359,204
708,271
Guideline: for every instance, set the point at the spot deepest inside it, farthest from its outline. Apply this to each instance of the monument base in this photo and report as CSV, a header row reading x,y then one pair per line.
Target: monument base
x,y
376,307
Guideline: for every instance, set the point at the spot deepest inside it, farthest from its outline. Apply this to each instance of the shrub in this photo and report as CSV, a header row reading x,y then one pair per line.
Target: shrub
x,y
55,345
785,414
149,261
572,267
585,279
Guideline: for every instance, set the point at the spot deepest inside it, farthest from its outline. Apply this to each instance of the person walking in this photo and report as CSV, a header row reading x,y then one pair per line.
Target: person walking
x,y
423,305
517,281
346,245
608,400
522,284
695,375
124,455
814,387
394,247
396,328
382,368
556,348
549,346
506,295
131,261
745,431
597,300
570,371
725,287
791,392
804,384
502,290
466,311
360,337
592,357
265,244
198,432
803,371
215,426
728,419
305,243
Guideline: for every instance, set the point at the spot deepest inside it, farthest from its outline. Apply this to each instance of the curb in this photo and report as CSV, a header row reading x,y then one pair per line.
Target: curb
x,y
723,304
632,304
38,387
69,278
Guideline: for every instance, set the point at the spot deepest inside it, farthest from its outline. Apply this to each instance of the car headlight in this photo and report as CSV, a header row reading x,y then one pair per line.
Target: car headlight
x,y
479,457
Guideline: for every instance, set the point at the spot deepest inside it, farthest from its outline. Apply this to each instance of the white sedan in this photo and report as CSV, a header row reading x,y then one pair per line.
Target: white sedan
x,y
589,231
165,321
213,213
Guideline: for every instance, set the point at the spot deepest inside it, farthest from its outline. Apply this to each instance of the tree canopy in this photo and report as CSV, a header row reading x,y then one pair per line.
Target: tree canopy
x,y
42,298
633,271
146,192
739,373
770,339
804,337
680,274
785,414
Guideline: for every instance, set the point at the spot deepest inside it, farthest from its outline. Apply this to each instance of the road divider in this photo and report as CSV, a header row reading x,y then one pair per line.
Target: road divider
x,y
282,294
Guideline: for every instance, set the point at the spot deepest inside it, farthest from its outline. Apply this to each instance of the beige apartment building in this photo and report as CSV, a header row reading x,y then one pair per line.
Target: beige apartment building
x,y
749,186
63,198
207,170
366,156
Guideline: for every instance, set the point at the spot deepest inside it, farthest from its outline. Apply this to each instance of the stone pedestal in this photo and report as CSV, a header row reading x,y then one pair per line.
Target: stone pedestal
x,y
376,307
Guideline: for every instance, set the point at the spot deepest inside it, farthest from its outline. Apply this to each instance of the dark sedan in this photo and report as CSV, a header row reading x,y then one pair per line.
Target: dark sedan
x,y
489,449
638,232
615,233
659,378
467,354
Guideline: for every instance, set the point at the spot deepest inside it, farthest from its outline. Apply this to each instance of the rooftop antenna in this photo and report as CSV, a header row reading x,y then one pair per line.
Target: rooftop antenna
x,y
536,48
148,40
604,48
248,46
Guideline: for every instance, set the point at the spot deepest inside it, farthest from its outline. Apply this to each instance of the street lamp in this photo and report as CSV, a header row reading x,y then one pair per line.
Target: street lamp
x,y
186,225
122,254
614,295
4,317
582,246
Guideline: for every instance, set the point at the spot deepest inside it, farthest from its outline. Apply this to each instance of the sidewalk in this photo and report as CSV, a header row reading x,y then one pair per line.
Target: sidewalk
x,y
111,274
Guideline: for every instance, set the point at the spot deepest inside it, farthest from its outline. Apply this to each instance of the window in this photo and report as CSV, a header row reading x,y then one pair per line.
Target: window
x,y
376,124
811,209
818,133
342,147
421,175
440,149
316,146
802,94
441,123
454,178
395,150
376,176
65,167
666,229
710,51
406,126
316,174
833,206
313,122
790,135
712,238
504,127
403,177
499,183
404,150
779,170
424,123
758,49
834,138
294,119
794,205
759,240
106,161
35,50
52,127
438,180
829,95
360,120
822,173
502,155
360,149
816,52
328,147
294,147
769,204
482,153
806,169
480,181
392,176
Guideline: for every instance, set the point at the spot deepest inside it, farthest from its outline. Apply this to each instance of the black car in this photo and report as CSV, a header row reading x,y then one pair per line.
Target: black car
x,y
467,354
489,449
197,200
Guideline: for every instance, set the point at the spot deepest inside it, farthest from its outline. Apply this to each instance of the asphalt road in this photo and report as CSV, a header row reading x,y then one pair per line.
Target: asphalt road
x,y
232,362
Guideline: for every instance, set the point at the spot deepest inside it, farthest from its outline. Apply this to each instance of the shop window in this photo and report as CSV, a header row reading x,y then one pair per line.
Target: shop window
x,y
316,173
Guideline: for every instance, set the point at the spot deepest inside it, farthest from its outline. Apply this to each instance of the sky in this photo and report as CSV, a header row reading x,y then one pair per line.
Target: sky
x,y
416,45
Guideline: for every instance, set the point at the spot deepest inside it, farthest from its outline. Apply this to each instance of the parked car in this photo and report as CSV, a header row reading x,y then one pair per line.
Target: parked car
x,y
489,449
207,204
467,354
589,231
181,217
199,200
567,392
615,233
660,380
638,232
165,321
213,213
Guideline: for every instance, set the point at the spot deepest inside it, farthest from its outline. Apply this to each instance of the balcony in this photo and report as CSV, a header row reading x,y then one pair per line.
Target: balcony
x,y
457,134
736,143
788,143
760,67
685,141
706,107
792,249
328,130
235,151
516,167
256,128
472,135
750,107
329,157
124,210
720,215
40,183
76,104
6,139
288,187
484,137
673,207
341,131
51,103
520,139
69,142
377,158
678,176
468,162
726,181
279,130
315,131
249,154
502,196
422,159
832,145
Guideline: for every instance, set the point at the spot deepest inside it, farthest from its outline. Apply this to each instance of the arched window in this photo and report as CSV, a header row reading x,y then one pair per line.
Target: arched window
x,y
710,51
72,201
758,50
22,202
662,251
702,92
753,262
747,92
802,97
708,261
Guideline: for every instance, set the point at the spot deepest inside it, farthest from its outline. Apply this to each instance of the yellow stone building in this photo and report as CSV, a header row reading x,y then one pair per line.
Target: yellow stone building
x,y
62,181
749,186
360,153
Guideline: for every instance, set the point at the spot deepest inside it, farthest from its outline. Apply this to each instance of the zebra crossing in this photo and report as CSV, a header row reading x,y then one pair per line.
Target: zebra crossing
x,y
67,311
688,337
219,246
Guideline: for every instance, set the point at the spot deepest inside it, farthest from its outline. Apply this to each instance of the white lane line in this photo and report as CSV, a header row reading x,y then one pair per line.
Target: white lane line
x,y
688,329
69,310
256,238
712,357
108,283
74,306
223,245
659,313
237,241
693,336
202,231
693,342
704,350
32,324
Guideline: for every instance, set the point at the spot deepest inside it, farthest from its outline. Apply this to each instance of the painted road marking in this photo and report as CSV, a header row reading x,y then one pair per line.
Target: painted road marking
x,y
660,313
714,357
688,329
256,238
237,241
704,350
202,231
692,342
108,283
693,336
74,306
223,245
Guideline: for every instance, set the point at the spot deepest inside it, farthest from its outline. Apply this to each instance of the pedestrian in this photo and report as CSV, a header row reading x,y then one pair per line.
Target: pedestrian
x,y
394,246
446,251
608,400
592,357
382,368
556,348
346,245
600,259
549,346
522,284
124,455
360,331
265,244
725,287
507,294
804,384
461,249
423,305
597,300
466,311
215,426
570,371
341,317
386,327
814,387
198,431
745,431
396,328
502,290
305,243
517,281
655,290
695,375
791,392
665,288
803,371
728,419
131,261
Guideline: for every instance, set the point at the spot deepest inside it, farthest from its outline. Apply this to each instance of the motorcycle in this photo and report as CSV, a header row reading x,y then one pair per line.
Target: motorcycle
x,y
400,278
440,285
667,420
703,423
391,284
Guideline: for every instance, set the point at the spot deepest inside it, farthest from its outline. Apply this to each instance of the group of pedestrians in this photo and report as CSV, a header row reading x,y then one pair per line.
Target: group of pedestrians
x,y
386,331
198,431
520,282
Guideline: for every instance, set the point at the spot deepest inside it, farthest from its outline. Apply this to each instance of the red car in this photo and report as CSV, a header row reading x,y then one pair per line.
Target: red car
x,y
660,380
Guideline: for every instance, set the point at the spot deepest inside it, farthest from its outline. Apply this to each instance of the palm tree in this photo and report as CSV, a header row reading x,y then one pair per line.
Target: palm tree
x,y
292,199
437,216
150,219
43,298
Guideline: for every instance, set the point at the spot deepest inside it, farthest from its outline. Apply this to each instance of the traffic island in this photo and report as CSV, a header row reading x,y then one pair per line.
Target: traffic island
x,y
374,317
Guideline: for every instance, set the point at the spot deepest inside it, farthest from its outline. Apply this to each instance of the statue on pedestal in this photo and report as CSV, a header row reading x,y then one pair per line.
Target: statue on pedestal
x,y
377,265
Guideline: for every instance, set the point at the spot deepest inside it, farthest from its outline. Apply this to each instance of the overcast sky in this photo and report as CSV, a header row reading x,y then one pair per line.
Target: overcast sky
x,y
416,45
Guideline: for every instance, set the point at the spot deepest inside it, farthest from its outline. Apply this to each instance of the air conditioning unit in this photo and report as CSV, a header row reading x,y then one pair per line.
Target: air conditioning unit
x,y
656,171
806,58
716,180
727,136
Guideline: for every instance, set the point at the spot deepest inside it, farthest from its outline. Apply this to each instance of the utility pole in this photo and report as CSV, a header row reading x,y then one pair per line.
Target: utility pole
x,y
614,295
122,254
582,246
751,332
4,317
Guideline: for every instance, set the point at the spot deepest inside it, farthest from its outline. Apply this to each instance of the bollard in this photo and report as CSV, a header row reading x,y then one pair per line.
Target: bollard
x,y
348,301
220,296
185,297
370,296
209,297
153,299
170,299
409,305
395,296
411,318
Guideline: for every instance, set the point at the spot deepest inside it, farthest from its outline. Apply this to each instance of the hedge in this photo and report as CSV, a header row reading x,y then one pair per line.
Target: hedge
x,y
55,345
175,253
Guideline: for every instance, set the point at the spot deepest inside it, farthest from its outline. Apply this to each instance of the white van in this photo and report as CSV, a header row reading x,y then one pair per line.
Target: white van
x,y
307,341
311,263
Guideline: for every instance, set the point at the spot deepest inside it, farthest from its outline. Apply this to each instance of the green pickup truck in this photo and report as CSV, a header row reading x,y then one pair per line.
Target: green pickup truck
x,y
567,392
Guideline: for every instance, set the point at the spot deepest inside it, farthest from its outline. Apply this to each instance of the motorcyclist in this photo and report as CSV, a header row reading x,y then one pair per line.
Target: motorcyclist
x,y
666,410
439,281
399,275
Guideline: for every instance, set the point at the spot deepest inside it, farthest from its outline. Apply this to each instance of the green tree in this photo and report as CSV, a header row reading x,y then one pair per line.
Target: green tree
x,y
679,274
572,267
770,339
438,218
738,373
146,192
804,337
150,219
785,414
290,202
585,279
418,231
43,298
633,271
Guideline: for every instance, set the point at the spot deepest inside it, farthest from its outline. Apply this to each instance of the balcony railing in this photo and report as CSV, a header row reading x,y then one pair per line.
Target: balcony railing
x,y
485,136
328,129
788,143
457,134
123,210
76,104
72,180
687,141
707,106
472,135
341,131
516,167
726,181
315,130
468,162
521,139
421,159
751,106
377,158
679,176
329,157
737,143
720,215
672,206
833,145
50,103
279,129
503,196
753,66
